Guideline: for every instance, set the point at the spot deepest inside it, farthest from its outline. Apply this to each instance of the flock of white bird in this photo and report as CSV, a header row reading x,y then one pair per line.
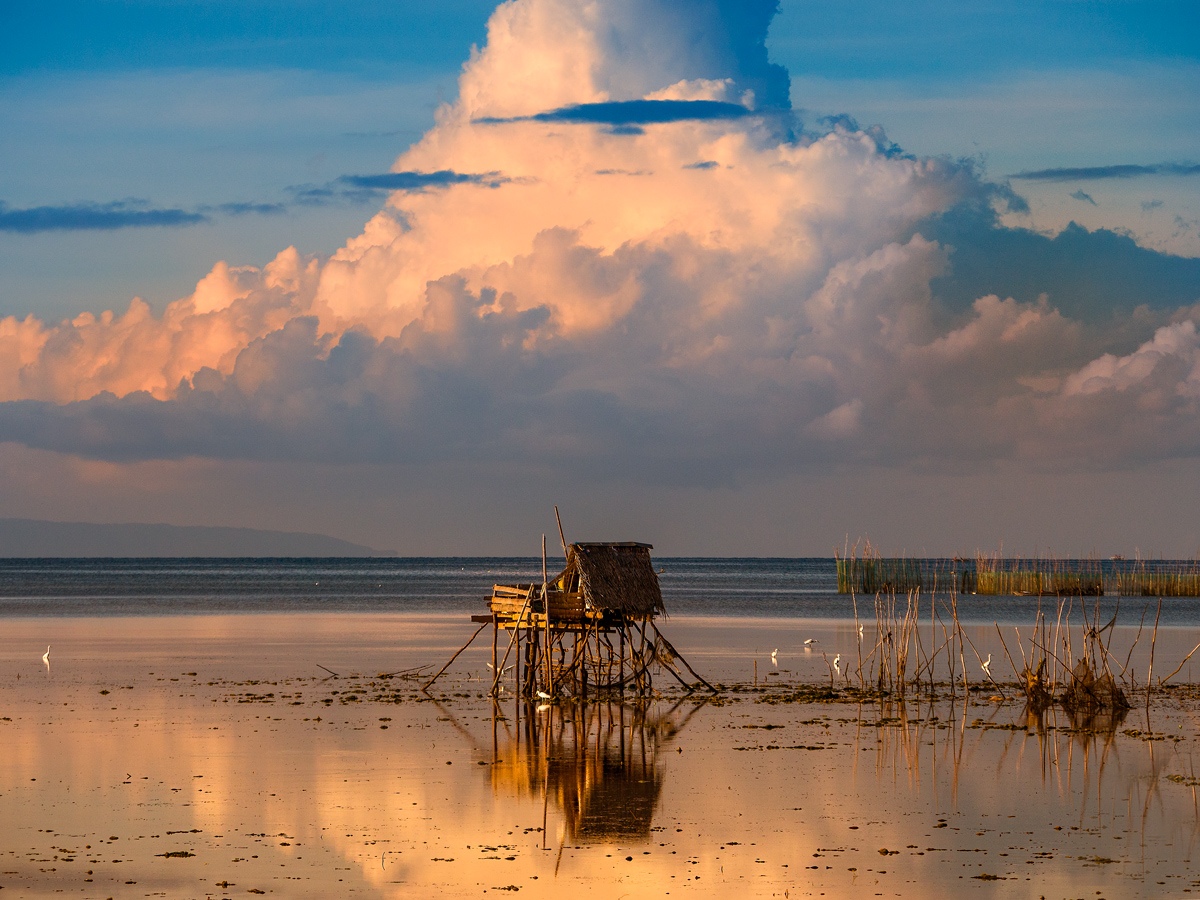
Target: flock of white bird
x,y
985,665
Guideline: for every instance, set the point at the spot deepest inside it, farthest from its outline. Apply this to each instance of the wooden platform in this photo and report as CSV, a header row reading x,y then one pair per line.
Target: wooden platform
x,y
521,606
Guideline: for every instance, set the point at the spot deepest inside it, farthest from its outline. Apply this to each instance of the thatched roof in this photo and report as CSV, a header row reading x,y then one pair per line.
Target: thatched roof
x,y
617,576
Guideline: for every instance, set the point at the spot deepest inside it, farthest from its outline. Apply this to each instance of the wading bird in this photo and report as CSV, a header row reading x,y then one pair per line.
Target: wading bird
x,y
46,656
836,660
774,661
986,666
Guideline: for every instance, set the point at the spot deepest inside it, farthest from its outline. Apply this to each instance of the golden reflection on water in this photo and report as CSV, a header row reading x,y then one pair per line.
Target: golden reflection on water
x,y
598,763
215,739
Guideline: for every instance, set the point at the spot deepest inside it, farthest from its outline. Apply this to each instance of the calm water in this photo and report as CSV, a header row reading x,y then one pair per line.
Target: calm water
x,y
209,756
755,588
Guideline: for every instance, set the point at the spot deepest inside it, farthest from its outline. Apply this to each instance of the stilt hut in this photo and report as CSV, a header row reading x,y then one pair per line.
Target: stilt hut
x,y
589,629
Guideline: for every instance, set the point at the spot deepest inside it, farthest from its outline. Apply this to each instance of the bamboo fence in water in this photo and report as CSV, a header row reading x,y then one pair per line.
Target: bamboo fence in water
x,y
870,573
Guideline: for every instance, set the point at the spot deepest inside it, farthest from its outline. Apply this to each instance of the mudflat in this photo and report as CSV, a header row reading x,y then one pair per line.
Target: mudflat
x,y
296,756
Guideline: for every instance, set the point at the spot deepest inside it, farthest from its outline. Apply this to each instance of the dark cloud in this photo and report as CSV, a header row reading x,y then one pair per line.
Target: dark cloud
x,y
1086,274
1085,197
705,164
633,113
94,217
122,214
414,182
1097,173
360,189
252,209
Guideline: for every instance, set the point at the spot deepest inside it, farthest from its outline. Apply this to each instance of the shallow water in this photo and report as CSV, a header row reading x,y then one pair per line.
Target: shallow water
x,y
222,737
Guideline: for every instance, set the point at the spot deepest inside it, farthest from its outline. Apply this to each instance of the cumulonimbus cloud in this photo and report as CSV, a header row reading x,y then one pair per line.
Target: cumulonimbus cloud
x,y
584,263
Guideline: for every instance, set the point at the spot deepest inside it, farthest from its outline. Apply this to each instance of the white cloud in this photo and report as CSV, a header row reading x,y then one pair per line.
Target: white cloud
x,y
1177,343
609,301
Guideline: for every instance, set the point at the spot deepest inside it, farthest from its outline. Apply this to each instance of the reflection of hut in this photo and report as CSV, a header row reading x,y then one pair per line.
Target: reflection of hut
x,y
589,628
598,763
620,802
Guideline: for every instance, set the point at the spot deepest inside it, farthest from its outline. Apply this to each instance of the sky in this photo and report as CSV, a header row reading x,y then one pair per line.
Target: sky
x,y
733,278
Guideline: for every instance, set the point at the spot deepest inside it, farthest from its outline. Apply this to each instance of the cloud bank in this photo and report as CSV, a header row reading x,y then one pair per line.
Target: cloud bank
x,y
620,250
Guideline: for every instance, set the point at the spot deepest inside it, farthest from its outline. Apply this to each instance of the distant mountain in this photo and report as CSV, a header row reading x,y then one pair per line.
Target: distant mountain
x,y
34,538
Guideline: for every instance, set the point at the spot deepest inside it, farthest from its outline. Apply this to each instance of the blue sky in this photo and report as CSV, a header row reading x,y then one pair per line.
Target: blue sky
x,y
150,145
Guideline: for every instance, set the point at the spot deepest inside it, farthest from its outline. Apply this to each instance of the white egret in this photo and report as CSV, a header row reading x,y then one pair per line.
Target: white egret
x,y
46,656
836,663
543,695
986,666
860,632
774,661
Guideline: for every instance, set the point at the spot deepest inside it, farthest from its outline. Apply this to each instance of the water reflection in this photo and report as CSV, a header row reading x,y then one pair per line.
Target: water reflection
x,y
304,786
1105,772
599,764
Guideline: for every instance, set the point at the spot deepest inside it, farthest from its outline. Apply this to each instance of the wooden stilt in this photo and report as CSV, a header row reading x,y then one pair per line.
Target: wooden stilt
x,y
546,613
427,684
679,656
621,663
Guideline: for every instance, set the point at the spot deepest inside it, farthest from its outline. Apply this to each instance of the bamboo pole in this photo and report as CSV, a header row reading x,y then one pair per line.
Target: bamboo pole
x,y
561,537
621,660
546,613
679,656
427,684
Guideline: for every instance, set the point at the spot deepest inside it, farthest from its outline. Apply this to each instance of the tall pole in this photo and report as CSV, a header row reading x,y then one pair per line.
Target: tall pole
x,y
561,538
546,612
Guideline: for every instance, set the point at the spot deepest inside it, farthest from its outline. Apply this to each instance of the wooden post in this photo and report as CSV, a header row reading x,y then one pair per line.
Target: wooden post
x,y
621,664
427,684
558,519
546,613
679,656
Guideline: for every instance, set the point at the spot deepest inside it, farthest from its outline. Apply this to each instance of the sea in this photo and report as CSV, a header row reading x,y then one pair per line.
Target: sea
x,y
756,588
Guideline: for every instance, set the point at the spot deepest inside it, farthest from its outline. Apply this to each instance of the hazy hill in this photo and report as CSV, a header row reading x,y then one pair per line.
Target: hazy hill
x,y
33,538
